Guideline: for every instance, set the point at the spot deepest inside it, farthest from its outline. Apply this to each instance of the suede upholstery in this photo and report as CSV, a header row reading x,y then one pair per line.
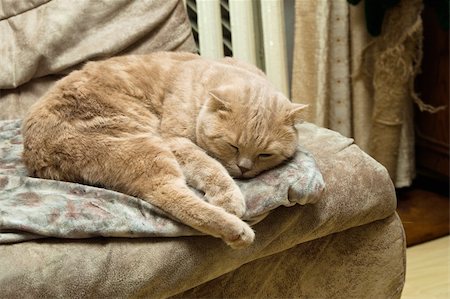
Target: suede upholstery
x,y
350,244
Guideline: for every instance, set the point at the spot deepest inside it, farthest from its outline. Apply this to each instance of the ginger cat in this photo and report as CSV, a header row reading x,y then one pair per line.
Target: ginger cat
x,y
150,125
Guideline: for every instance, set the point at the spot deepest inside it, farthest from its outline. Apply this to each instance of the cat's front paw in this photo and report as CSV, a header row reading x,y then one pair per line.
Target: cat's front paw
x,y
231,201
243,236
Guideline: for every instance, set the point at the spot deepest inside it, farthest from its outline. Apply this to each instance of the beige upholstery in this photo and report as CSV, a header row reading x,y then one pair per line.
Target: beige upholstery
x,y
42,40
350,244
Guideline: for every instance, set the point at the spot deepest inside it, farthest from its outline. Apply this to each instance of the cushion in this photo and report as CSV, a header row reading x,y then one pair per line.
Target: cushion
x,y
358,191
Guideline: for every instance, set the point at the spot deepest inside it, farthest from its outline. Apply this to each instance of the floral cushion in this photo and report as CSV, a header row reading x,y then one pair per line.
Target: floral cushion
x,y
32,208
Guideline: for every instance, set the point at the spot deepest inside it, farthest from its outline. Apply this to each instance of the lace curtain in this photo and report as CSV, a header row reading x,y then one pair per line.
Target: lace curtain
x,y
358,85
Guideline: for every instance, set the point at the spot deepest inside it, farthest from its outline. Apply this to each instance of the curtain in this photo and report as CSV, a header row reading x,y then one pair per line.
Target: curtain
x,y
358,85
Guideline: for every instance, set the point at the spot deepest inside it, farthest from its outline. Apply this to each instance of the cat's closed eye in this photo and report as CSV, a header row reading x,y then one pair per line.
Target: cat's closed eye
x,y
265,156
235,148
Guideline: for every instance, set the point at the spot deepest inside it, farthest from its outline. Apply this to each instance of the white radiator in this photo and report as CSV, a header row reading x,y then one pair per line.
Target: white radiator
x,y
250,30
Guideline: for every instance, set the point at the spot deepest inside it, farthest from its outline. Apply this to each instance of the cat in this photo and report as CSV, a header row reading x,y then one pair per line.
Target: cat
x,y
151,125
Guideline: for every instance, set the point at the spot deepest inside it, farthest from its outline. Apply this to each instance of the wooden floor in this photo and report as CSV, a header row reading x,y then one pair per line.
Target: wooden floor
x,y
425,214
427,271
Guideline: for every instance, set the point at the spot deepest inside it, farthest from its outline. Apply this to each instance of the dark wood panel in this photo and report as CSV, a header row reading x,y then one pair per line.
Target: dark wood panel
x,y
432,130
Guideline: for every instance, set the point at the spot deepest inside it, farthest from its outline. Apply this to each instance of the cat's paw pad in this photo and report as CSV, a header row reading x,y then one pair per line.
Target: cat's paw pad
x,y
242,238
232,201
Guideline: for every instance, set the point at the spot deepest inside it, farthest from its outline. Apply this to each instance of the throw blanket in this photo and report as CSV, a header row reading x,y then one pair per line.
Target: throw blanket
x,y
32,208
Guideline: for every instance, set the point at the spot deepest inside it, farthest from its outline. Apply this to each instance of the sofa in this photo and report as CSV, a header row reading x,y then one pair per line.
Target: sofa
x,y
349,243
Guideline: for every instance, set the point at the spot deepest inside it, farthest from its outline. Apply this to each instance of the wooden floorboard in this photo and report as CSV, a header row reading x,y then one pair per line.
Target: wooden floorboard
x,y
427,270
424,214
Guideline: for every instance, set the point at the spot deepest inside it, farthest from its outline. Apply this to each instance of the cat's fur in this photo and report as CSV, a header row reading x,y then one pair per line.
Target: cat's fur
x,y
148,126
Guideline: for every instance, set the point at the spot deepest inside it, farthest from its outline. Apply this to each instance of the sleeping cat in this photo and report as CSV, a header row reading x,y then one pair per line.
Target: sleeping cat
x,y
152,125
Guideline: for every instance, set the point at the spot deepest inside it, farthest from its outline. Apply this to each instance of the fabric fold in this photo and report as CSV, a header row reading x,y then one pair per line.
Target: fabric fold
x,y
50,38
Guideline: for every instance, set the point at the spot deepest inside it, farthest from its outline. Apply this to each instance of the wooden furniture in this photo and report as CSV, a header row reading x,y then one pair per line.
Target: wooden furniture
x,y
424,208
432,130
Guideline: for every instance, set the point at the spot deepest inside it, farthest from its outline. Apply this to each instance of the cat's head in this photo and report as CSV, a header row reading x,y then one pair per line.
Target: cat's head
x,y
248,130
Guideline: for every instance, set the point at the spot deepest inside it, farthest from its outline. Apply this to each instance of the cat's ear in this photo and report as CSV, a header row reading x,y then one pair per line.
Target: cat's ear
x,y
216,104
296,112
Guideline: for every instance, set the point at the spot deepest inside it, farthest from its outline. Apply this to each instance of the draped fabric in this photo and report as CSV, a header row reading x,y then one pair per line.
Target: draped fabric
x,y
42,41
358,85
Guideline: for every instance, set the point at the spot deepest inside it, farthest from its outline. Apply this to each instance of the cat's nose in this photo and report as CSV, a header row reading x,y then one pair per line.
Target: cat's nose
x,y
244,164
243,169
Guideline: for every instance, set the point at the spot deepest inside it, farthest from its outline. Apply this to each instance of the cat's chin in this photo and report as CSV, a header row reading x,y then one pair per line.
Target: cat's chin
x,y
236,175
243,176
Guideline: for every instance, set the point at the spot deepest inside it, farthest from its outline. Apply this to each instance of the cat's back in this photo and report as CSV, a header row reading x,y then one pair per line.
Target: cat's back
x,y
128,85
111,98
142,78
